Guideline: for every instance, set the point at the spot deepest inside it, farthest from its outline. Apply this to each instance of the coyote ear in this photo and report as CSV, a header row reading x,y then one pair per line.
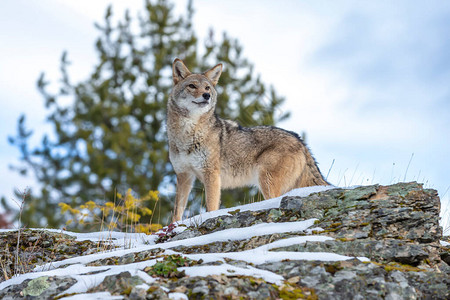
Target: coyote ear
x,y
179,71
214,74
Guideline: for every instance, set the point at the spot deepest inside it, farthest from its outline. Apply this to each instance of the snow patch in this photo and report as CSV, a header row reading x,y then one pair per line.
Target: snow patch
x,y
266,204
230,270
178,296
93,296
231,234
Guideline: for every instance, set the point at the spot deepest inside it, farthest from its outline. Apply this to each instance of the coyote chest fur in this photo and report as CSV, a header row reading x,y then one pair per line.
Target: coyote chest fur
x,y
222,154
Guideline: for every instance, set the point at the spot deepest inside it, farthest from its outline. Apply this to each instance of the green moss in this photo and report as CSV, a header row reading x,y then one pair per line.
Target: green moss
x,y
329,230
333,268
334,225
402,268
291,291
168,267
127,291
152,289
292,294
64,295
234,212
395,266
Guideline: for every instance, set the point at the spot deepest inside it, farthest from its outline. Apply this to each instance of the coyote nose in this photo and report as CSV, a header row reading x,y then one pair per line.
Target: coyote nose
x,y
206,96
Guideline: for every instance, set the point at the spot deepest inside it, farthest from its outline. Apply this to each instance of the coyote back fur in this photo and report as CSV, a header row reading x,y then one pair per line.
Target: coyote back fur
x,y
222,154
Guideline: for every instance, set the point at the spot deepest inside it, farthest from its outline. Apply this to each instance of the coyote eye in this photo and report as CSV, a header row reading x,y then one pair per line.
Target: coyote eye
x,y
207,88
192,86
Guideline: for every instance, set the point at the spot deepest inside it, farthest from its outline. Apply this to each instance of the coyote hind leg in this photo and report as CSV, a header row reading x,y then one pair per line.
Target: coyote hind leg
x,y
269,184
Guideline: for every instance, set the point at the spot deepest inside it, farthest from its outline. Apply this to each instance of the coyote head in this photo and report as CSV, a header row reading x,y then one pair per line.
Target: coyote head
x,y
194,93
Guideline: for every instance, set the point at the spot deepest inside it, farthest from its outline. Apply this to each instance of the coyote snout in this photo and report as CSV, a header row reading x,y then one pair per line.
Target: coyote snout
x,y
203,100
221,153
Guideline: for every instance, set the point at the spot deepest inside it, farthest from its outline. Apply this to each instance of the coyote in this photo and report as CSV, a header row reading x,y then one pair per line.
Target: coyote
x,y
221,153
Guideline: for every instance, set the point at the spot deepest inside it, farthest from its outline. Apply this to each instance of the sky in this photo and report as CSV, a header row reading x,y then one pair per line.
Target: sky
x,y
369,82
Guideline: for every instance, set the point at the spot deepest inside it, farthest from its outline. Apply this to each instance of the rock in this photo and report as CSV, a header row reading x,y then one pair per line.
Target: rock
x,y
37,247
404,217
395,227
39,288
138,293
349,279
122,283
187,234
128,258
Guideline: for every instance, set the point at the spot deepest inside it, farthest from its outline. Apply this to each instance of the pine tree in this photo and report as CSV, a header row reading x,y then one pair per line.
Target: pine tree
x,y
111,136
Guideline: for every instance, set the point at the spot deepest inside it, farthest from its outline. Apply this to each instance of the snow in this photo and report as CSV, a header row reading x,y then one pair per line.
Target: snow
x,y
90,276
93,296
445,244
231,234
227,269
117,239
261,257
178,296
234,234
295,241
266,204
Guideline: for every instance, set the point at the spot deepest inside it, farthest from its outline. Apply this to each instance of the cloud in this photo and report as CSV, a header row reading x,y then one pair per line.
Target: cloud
x,y
393,52
376,90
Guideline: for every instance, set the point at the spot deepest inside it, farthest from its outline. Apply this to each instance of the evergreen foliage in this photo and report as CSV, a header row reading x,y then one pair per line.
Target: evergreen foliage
x,y
110,135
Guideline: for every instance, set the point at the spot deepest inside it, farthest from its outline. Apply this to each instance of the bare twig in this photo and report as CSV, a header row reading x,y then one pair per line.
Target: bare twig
x,y
21,206
407,167
329,170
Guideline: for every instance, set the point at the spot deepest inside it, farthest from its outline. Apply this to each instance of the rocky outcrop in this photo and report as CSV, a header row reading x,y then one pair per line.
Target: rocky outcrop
x,y
37,247
398,223
371,242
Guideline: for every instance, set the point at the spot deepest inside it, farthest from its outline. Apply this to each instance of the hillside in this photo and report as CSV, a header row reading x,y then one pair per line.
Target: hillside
x,y
371,242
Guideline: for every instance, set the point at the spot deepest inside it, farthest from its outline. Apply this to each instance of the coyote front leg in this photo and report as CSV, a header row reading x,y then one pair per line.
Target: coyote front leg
x,y
212,187
184,186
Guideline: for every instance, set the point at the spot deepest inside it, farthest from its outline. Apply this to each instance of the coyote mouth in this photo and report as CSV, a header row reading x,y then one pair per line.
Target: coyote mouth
x,y
201,103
